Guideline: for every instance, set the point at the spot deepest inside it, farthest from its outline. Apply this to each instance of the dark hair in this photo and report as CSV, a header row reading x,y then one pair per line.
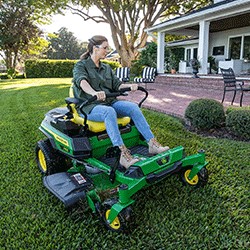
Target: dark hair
x,y
95,40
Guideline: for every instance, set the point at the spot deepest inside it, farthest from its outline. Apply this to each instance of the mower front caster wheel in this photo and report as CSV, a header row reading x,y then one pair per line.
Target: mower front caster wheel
x,y
199,180
120,223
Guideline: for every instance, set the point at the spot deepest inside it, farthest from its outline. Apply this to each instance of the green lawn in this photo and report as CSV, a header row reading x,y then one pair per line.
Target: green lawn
x,y
167,216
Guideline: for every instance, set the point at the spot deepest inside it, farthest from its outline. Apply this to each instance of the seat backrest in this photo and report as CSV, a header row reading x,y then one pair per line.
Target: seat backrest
x,y
228,77
149,73
123,73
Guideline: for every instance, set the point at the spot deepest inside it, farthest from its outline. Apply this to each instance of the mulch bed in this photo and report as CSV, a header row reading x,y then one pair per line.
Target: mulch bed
x,y
216,133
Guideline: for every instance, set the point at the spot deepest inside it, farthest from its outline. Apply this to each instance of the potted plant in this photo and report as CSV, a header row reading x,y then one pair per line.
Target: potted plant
x,y
195,64
213,66
173,63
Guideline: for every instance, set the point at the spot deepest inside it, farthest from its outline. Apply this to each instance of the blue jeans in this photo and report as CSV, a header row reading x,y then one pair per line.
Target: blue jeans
x,y
109,114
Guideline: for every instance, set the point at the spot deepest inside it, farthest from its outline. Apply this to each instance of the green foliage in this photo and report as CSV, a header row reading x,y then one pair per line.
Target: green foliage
x,y
195,64
213,65
205,114
11,73
18,28
238,122
128,20
175,56
173,61
54,68
166,216
64,45
36,49
231,108
136,68
148,57
112,64
49,68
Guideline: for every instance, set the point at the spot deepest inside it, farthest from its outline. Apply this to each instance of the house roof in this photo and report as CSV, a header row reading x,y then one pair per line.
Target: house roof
x,y
188,41
222,16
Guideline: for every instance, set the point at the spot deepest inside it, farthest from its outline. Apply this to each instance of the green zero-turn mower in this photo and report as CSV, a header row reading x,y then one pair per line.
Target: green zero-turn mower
x,y
78,162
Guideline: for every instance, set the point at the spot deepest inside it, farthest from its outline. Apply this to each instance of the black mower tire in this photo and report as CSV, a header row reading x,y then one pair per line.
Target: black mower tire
x,y
49,161
200,180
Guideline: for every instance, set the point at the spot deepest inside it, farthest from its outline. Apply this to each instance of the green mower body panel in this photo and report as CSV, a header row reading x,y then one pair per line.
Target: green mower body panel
x,y
95,150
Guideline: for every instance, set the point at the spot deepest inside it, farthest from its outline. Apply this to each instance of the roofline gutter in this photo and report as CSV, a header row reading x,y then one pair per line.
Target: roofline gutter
x,y
193,18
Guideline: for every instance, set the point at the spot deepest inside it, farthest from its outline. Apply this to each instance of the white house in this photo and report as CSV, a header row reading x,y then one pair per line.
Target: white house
x,y
221,30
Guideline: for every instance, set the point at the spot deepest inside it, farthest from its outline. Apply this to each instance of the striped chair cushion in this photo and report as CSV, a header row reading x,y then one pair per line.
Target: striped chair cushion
x,y
148,75
143,80
123,74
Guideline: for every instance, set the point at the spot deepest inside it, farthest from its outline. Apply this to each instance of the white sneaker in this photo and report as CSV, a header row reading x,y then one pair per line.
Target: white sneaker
x,y
155,147
126,159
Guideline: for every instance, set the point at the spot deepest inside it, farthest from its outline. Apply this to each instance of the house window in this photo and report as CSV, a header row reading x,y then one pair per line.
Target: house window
x,y
195,53
219,50
188,55
235,47
246,48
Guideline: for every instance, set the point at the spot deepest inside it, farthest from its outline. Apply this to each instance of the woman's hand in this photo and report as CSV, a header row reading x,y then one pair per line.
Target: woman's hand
x,y
101,96
133,87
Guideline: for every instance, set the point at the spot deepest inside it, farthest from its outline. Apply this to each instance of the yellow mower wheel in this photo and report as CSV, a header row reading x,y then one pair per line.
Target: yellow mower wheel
x,y
199,180
116,224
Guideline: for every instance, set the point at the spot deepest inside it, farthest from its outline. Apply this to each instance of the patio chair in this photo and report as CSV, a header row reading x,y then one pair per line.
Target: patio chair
x,y
148,76
123,73
232,84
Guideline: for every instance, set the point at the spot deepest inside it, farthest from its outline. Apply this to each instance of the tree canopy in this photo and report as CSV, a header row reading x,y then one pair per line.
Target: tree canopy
x,y
64,45
18,27
128,19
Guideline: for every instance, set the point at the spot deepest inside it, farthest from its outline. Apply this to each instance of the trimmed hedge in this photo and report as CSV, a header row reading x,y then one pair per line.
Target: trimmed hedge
x,y
238,122
49,68
205,114
5,76
55,68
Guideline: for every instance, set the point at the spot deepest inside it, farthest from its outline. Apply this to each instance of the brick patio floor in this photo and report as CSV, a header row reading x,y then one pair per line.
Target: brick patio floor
x,y
173,98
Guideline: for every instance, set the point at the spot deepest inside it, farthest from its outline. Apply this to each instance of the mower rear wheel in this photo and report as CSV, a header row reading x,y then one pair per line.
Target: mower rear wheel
x,y
48,160
199,180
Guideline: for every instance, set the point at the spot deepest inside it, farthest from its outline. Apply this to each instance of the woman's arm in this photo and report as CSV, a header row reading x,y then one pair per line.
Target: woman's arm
x,y
85,86
132,86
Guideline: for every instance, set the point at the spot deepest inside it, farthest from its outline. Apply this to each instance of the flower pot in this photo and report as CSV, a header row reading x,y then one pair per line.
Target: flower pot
x,y
173,71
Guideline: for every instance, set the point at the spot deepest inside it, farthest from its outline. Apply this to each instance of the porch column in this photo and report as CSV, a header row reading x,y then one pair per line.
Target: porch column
x,y
203,46
160,52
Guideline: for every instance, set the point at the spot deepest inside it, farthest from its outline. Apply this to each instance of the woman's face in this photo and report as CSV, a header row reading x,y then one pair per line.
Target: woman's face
x,y
102,50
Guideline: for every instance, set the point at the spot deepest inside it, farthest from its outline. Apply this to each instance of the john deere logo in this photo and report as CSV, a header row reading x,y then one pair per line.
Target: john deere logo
x,y
162,161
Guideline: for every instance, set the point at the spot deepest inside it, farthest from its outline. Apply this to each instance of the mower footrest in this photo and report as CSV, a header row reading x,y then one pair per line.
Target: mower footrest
x,y
69,188
154,177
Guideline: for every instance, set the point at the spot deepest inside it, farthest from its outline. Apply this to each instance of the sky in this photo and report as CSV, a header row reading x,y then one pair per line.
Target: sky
x,y
83,30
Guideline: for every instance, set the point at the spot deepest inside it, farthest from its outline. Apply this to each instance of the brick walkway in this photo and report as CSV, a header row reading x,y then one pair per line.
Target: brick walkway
x,y
172,96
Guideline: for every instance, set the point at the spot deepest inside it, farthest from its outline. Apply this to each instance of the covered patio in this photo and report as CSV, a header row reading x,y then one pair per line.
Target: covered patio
x,y
212,27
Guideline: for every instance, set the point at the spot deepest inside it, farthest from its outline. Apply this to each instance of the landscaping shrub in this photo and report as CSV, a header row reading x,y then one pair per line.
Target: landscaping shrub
x,y
3,76
204,114
238,122
112,64
55,68
49,68
232,108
